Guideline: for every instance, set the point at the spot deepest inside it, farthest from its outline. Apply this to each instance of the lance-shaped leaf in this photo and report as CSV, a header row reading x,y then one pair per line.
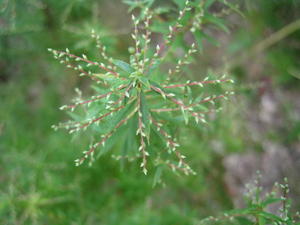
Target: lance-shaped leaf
x,y
145,82
157,176
109,126
216,21
130,144
123,66
145,116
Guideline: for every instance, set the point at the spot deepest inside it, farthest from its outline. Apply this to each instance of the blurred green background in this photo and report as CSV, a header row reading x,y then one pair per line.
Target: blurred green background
x,y
259,129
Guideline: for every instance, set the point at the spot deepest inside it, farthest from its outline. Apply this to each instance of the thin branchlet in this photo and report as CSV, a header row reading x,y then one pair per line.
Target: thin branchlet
x,y
141,133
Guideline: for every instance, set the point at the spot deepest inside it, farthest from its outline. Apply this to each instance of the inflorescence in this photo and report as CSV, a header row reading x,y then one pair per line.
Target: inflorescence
x,y
138,92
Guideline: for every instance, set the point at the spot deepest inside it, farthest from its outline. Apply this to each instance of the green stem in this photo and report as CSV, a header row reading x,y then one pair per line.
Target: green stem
x,y
265,44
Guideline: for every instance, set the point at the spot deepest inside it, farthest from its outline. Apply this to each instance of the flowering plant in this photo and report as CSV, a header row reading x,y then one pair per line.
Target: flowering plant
x,y
139,101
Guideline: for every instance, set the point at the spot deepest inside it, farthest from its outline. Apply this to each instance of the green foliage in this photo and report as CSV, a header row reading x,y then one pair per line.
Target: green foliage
x,y
258,206
38,181
137,93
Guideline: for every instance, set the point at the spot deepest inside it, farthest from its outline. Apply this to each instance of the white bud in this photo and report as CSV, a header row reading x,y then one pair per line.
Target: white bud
x,y
63,107
157,48
145,170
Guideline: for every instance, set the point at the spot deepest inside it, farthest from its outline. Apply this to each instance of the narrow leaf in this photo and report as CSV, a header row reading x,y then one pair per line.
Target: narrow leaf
x,y
124,66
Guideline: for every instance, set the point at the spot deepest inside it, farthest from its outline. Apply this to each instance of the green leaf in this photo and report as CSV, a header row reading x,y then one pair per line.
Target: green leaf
x,y
159,135
185,116
216,21
270,216
270,201
261,221
110,126
104,77
145,82
199,39
160,10
111,142
160,27
138,4
124,66
74,116
154,67
179,3
145,116
208,3
157,176
130,141
200,36
242,211
243,221
232,7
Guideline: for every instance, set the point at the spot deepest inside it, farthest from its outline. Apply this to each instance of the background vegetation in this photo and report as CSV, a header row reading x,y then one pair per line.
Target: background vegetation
x,y
257,130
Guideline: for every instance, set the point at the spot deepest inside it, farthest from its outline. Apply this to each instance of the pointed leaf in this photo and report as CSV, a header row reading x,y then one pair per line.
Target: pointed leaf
x,y
216,21
145,116
124,66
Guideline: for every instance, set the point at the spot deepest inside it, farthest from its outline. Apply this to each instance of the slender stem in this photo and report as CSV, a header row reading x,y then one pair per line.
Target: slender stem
x,y
197,83
140,131
90,62
97,119
92,100
265,44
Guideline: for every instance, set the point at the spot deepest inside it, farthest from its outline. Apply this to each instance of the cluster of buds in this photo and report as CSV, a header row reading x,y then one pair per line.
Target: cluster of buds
x,y
133,93
173,29
198,18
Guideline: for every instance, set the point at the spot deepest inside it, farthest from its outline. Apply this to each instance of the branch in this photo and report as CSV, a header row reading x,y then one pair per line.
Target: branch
x,y
103,140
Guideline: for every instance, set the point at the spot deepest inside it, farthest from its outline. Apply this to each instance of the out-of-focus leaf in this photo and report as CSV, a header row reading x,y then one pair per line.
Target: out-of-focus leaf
x,y
199,39
130,142
138,4
123,65
160,27
270,216
200,36
179,3
208,3
270,201
157,176
216,21
111,124
232,7
145,82
261,221
154,67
